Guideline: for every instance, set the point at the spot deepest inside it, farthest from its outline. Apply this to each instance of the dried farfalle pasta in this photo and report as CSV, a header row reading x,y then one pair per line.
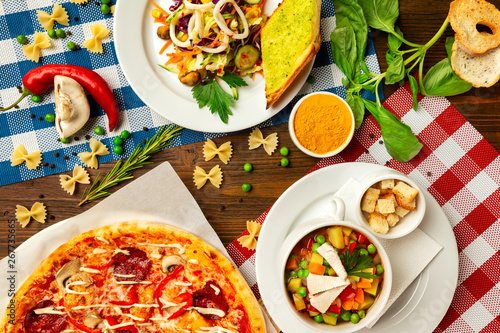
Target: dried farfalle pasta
x,y
40,41
249,240
19,156
90,158
37,212
59,15
94,44
80,2
112,9
200,177
256,139
210,150
79,176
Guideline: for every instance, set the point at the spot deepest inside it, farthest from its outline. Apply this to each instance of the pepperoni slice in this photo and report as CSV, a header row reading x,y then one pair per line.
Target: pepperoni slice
x,y
45,322
136,263
208,298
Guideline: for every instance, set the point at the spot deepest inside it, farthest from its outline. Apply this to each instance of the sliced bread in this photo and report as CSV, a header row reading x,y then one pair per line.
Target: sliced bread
x,y
480,70
289,39
465,15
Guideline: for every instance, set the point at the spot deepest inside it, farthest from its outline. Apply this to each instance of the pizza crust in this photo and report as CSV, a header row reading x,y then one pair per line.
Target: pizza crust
x,y
145,232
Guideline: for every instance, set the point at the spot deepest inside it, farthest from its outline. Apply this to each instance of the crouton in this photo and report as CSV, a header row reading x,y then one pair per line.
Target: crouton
x,y
368,205
378,223
392,219
401,212
404,190
387,184
386,206
390,196
403,202
372,194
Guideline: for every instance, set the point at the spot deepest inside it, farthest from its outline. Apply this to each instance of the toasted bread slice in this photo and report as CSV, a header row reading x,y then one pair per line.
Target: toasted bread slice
x,y
290,39
465,15
480,70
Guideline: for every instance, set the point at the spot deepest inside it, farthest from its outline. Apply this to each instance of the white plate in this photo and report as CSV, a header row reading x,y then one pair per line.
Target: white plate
x,y
423,304
137,48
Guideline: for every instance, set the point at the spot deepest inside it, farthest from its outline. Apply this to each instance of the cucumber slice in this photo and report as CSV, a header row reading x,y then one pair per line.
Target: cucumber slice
x,y
253,2
174,13
246,57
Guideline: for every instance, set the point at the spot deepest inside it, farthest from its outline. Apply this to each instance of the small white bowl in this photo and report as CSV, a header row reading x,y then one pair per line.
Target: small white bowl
x,y
291,128
407,223
380,302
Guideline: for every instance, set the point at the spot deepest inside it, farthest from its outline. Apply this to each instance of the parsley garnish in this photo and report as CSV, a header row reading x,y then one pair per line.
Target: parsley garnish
x,y
209,93
354,263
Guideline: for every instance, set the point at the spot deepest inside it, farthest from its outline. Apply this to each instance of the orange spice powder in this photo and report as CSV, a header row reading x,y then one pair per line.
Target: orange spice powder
x,y
322,123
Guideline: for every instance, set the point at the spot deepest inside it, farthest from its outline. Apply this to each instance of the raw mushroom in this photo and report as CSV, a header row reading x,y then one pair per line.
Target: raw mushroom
x,y
92,320
72,107
171,262
70,269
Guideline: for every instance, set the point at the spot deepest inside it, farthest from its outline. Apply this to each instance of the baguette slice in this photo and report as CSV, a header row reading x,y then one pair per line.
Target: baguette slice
x,y
480,70
290,39
465,15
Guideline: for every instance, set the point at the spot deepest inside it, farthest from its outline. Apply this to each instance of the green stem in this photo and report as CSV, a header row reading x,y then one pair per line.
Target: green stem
x,y
428,44
420,76
412,66
25,93
401,38
376,90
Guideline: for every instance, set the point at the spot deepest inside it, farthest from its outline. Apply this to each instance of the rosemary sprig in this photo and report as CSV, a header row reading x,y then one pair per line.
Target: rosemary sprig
x,y
123,170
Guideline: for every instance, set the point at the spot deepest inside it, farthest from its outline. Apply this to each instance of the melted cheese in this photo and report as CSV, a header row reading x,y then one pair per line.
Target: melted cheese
x,y
183,284
82,307
89,270
125,252
193,261
215,329
99,251
177,246
125,275
209,311
75,283
49,310
155,255
130,323
217,290
134,317
102,239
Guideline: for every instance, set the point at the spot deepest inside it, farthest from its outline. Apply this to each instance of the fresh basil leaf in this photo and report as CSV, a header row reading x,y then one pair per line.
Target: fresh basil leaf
x,y
441,80
352,11
343,43
389,57
381,14
399,140
345,82
363,77
395,71
414,91
364,67
393,42
357,107
449,45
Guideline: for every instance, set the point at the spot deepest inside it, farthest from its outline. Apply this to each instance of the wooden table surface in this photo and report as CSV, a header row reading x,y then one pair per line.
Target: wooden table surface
x,y
228,208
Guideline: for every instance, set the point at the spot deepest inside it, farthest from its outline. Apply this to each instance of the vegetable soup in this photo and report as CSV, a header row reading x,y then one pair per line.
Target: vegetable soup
x,y
334,275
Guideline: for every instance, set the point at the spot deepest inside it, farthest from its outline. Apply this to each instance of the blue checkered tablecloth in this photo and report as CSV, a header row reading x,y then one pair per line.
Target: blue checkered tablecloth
x,y
18,17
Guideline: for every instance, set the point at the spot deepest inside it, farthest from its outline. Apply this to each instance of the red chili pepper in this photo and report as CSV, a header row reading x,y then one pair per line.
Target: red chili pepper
x,y
351,247
347,294
186,297
163,282
103,266
132,298
334,308
40,79
82,326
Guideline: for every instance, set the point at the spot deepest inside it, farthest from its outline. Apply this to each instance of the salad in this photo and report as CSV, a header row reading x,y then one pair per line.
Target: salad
x,y
334,275
209,41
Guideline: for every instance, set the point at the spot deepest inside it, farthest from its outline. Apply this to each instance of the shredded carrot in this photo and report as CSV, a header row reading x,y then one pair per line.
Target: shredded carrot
x,y
233,11
167,44
216,39
262,3
161,20
164,12
185,53
227,21
253,76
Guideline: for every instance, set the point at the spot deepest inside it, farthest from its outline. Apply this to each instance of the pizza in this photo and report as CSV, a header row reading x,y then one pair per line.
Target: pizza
x,y
134,277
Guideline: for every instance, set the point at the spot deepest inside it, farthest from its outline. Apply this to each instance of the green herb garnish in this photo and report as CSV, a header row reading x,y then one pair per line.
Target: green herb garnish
x,y
209,93
348,43
123,170
354,263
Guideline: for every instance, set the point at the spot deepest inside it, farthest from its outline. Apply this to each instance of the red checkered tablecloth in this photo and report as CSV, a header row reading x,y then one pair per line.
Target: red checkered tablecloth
x,y
462,171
